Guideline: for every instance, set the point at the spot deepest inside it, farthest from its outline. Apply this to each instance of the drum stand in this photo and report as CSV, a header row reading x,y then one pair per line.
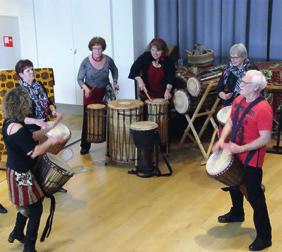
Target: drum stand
x,y
209,117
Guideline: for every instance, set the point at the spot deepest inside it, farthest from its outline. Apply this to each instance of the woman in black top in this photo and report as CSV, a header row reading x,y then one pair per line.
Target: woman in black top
x,y
228,85
22,151
154,71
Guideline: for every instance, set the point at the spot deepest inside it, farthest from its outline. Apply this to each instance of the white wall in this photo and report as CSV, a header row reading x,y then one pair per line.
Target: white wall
x,y
127,26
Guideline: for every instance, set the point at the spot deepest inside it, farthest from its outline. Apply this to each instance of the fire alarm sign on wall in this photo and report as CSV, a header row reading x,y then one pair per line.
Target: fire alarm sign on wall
x,y
8,41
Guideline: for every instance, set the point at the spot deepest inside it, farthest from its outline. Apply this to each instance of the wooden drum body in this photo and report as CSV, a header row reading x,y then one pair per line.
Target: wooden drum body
x,y
121,114
157,111
224,167
51,173
96,123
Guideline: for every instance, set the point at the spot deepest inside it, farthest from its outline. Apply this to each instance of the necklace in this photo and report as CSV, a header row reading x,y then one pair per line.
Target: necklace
x,y
97,59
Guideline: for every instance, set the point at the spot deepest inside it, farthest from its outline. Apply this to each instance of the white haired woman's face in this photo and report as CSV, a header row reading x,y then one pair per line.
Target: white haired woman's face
x,y
236,60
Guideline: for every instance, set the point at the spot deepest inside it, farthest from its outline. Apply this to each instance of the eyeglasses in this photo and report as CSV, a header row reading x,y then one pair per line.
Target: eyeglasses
x,y
234,57
248,83
97,49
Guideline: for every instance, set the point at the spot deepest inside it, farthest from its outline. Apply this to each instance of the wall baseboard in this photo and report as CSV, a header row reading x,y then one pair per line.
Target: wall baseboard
x,y
70,109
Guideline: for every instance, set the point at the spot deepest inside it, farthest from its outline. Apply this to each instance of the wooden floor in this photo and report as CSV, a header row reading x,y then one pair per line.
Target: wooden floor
x,y
107,210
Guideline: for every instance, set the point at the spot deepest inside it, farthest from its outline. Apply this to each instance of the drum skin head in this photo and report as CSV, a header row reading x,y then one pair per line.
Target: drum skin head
x,y
218,162
157,101
181,101
96,106
223,114
59,130
125,104
194,86
143,125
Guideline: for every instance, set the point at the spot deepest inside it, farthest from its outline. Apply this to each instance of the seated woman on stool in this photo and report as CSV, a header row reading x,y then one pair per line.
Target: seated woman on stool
x,y
42,105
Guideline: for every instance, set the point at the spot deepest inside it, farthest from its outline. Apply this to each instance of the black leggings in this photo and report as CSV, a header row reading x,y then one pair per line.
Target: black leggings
x,y
256,198
35,212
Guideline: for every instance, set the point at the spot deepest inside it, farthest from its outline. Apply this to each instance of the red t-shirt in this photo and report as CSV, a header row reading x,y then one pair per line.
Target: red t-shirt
x,y
257,119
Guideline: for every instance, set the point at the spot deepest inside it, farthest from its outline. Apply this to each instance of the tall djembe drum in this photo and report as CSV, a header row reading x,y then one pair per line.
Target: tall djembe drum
x,y
121,114
157,111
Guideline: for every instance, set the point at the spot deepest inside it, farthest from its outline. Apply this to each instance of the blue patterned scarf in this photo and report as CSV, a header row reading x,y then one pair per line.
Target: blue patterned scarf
x,y
239,72
40,102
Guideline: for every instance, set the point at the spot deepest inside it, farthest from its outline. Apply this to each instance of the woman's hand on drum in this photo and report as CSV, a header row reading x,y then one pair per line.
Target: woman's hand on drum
x,y
57,115
141,84
167,94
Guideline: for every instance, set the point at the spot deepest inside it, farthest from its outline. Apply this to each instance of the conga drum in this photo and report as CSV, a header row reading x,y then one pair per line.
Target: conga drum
x,y
223,115
224,167
59,130
145,136
121,114
96,123
157,111
197,85
182,101
51,173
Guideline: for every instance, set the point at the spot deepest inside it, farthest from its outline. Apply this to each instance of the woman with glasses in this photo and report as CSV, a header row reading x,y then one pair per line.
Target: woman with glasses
x,y
93,78
228,86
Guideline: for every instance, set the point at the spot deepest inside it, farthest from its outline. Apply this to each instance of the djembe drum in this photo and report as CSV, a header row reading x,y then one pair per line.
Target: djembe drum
x,y
183,103
157,111
224,167
223,115
51,173
145,137
96,123
121,114
59,130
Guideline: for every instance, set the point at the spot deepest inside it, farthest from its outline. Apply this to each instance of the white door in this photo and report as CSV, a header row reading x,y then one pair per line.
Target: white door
x,y
55,45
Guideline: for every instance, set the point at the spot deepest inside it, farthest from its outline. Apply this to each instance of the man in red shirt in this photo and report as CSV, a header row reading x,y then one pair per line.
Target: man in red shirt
x,y
249,135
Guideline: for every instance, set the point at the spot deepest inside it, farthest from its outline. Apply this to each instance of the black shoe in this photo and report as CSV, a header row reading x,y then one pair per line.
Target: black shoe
x,y
84,151
259,244
229,217
3,210
62,190
16,236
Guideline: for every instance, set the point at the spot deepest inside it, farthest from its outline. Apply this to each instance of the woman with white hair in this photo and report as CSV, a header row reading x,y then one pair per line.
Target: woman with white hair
x,y
229,83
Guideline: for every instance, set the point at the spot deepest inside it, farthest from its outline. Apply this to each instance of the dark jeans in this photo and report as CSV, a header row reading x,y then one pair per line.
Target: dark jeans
x,y
84,144
35,212
256,198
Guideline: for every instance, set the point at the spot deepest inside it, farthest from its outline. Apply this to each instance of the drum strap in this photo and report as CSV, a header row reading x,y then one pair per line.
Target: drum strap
x,y
48,226
238,124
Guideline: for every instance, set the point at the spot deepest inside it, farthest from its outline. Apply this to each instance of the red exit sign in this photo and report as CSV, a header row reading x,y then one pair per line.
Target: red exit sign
x,y
8,41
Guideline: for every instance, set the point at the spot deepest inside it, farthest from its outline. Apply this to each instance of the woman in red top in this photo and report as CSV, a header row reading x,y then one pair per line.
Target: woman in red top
x,y
154,71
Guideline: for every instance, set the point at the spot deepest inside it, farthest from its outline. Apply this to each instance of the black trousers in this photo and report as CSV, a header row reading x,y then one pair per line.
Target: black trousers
x,y
256,198
35,212
84,144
